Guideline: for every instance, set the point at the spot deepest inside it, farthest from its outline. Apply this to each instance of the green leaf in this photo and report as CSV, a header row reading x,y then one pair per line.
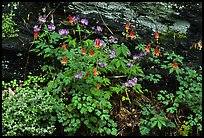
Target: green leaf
x,y
159,125
144,130
114,131
154,124
171,70
118,51
118,64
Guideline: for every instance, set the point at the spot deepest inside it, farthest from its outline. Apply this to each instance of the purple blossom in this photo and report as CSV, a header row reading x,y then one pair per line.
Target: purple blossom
x,y
130,83
129,64
99,29
63,32
42,19
136,57
102,64
78,76
84,21
102,43
143,53
93,28
112,55
36,28
111,39
51,27
76,18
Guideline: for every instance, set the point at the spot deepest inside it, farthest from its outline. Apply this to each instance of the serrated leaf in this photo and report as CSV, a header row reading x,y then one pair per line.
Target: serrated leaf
x,y
154,124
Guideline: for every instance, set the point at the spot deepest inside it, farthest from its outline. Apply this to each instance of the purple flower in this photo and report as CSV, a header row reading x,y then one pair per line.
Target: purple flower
x,y
93,28
130,83
36,29
102,43
135,79
136,57
112,55
78,76
125,84
51,27
76,18
84,21
129,64
42,19
98,28
102,64
63,32
143,53
111,39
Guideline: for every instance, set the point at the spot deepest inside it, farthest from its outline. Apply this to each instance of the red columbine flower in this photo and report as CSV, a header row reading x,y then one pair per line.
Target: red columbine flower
x,y
64,60
97,43
200,45
87,74
91,54
71,20
157,51
95,71
64,46
83,51
147,48
131,34
156,35
127,26
35,35
175,65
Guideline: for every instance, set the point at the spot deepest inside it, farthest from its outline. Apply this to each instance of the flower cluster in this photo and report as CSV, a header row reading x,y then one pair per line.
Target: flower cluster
x,y
84,21
129,64
111,39
79,75
51,27
42,19
140,55
98,43
63,32
130,83
101,64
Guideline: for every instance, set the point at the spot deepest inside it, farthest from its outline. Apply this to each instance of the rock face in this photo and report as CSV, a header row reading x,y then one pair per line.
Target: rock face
x,y
145,18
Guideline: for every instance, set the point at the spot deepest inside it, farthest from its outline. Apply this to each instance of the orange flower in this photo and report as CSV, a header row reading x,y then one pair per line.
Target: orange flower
x,y
157,51
95,71
91,54
64,60
127,26
156,35
71,20
147,48
175,65
200,45
64,46
35,35
83,51
131,34
97,43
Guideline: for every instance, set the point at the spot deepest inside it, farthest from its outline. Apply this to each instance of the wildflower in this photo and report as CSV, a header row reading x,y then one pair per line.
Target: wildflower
x,y
175,65
200,45
63,32
127,26
83,51
35,35
91,54
147,48
129,64
132,34
64,46
76,18
71,20
102,64
157,51
98,28
156,35
143,54
42,19
135,57
64,60
84,21
112,55
130,83
36,29
98,43
78,76
51,27
95,71
111,39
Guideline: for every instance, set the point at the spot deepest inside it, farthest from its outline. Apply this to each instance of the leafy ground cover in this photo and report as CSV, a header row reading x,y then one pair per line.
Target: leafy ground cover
x,y
93,84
